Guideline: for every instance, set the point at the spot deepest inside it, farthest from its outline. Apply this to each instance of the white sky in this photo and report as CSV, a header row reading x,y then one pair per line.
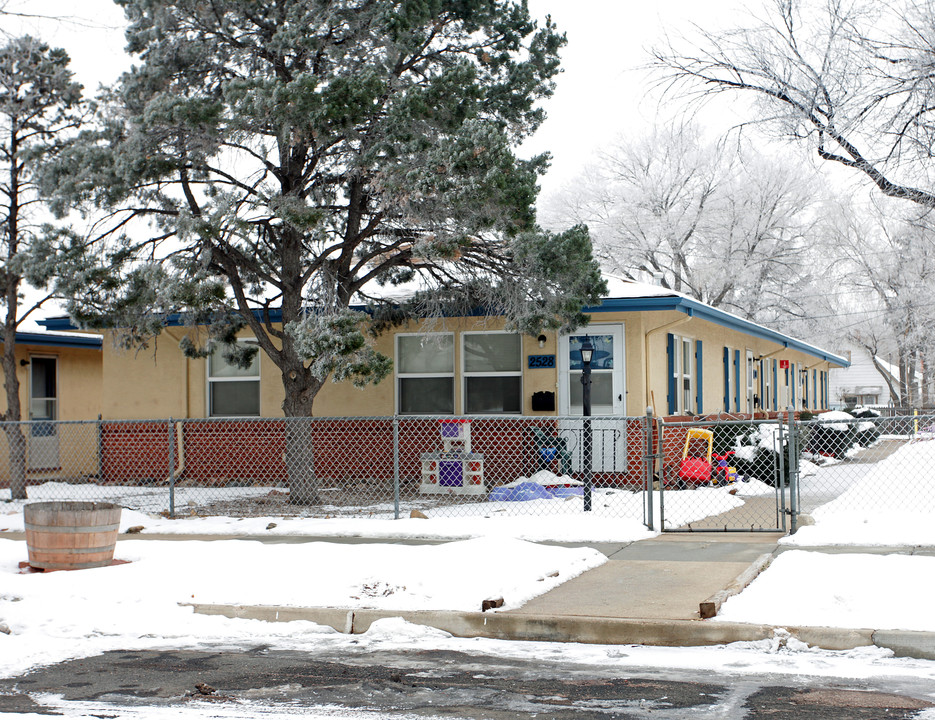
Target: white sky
x,y
600,92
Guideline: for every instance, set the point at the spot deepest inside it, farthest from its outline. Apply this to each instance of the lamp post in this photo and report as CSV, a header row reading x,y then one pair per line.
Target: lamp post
x,y
587,354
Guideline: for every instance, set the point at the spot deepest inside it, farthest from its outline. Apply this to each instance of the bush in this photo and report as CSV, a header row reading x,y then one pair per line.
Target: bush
x,y
763,462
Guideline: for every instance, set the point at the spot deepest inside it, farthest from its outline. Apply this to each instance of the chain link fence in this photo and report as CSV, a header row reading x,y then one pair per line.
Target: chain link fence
x,y
330,467
716,474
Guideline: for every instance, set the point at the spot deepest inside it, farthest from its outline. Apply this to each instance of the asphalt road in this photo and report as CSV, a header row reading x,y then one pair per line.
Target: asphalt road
x,y
438,684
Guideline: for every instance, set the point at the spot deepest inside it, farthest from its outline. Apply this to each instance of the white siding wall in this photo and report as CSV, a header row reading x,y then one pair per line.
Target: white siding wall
x,y
860,378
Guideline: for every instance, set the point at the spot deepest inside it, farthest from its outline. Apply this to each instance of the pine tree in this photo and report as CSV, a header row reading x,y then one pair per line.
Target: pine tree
x,y
305,156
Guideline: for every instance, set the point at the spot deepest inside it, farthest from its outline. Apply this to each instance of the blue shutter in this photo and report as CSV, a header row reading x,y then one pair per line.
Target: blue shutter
x,y
726,379
787,380
698,364
814,389
736,380
775,384
670,364
792,391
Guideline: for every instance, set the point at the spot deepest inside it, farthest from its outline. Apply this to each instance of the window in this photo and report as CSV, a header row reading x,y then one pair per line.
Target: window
x,y
683,394
232,390
493,373
852,400
425,374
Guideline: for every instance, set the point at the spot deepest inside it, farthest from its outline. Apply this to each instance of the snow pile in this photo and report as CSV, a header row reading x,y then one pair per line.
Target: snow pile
x,y
892,504
853,591
844,420
55,616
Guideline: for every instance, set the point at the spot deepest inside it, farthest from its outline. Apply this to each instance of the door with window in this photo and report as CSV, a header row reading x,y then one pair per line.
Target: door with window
x,y
608,394
43,412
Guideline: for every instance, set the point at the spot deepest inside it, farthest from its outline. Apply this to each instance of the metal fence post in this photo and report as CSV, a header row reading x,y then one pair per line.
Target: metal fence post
x,y
396,467
661,456
793,471
650,460
100,448
171,468
781,478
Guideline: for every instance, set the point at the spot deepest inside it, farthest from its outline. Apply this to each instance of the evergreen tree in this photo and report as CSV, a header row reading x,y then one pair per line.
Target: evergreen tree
x,y
306,156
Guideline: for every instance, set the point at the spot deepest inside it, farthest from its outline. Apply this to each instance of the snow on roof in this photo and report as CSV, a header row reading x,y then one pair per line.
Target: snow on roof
x,y
618,287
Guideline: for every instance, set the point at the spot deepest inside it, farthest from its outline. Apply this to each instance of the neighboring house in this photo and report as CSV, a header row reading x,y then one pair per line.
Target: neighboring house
x,y
866,381
654,347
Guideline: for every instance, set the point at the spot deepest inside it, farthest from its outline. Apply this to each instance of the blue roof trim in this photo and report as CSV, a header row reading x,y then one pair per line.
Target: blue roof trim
x,y
692,308
87,341
697,309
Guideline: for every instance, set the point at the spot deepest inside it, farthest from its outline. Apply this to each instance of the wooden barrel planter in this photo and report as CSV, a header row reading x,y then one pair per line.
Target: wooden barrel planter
x,y
71,535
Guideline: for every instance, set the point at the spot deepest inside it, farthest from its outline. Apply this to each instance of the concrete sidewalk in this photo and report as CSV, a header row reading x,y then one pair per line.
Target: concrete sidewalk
x,y
650,592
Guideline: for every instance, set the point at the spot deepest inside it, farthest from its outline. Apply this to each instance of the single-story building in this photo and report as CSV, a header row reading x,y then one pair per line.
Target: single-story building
x,y
653,348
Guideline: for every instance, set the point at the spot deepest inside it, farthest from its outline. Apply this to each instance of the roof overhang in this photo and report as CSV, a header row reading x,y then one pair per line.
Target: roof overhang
x,y
90,342
650,303
696,309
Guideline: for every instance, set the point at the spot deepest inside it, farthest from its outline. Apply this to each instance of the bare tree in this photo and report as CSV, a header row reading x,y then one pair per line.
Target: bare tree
x,y
714,220
853,78
39,103
887,263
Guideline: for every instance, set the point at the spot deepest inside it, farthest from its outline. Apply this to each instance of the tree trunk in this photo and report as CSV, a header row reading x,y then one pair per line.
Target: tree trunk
x,y
13,414
16,441
301,389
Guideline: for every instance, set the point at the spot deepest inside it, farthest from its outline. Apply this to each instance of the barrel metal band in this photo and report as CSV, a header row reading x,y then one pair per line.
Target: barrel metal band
x,y
72,551
73,528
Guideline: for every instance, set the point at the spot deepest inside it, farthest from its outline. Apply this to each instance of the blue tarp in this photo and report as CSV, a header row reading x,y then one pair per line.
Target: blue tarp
x,y
531,491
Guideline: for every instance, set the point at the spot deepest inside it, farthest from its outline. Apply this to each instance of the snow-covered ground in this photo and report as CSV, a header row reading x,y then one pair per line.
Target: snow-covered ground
x,y
56,616
53,616
890,502
616,516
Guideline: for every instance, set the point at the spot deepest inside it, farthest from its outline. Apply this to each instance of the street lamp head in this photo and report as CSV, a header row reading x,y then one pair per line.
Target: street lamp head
x,y
587,351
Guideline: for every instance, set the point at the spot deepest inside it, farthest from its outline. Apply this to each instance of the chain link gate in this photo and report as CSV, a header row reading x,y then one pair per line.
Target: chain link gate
x,y
726,475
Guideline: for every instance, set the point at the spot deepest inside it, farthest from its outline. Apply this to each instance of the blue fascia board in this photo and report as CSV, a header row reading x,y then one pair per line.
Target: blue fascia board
x,y
697,309
28,338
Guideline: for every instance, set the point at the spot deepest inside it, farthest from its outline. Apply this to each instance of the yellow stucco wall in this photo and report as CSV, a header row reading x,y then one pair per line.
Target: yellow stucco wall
x,y
159,382
79,383
79,380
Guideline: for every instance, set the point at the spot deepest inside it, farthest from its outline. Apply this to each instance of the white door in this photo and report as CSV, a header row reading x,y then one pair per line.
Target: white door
x,y
43,411
608,395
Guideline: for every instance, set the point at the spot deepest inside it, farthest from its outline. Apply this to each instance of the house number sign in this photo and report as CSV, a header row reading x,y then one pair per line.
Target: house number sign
x,y
541,361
